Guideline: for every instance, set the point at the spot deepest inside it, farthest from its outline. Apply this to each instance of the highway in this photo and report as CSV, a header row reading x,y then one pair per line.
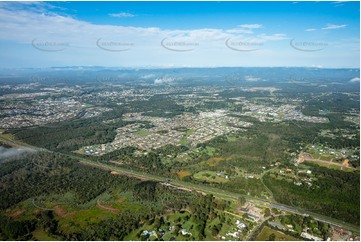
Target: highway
x,y
223,194
220,193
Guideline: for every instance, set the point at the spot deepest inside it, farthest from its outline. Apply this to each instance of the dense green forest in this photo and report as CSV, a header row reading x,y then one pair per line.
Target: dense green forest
x,y
37,180
71,135
335,193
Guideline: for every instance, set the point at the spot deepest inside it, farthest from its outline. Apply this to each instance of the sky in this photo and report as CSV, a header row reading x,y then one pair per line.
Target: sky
x,y
179,34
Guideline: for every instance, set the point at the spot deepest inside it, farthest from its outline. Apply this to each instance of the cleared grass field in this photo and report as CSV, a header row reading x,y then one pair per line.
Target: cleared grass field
x,y
209,150
329,166
231,138
81,219
209,176
72,217
41,235
182,174
212,161
267,231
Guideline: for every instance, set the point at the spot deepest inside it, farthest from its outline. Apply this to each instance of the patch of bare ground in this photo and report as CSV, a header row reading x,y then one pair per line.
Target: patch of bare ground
x,y
16,213
62,213
107,207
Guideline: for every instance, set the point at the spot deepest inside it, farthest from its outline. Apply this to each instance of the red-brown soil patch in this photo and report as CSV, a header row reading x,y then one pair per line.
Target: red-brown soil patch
x,y
62,213
108,208
17,213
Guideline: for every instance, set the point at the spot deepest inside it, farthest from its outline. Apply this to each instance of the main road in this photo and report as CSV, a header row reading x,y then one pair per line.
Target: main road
x,y
227,195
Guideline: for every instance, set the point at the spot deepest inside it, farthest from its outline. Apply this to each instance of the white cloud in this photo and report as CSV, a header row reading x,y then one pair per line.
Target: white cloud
x,y
239,31
252,79
317,66
338,3
164,80
272,37
310,30
334,26
122,15
6,153
24,26
355,79
251,26
149,76
21,25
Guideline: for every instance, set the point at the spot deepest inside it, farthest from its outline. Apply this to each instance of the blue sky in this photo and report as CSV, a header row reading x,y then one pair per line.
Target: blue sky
x,y
179,34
